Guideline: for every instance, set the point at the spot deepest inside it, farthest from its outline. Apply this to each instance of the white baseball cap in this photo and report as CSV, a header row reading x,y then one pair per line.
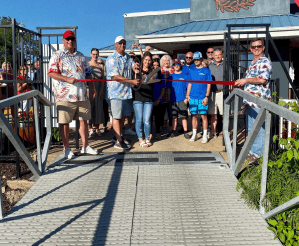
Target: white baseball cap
x,y
119,38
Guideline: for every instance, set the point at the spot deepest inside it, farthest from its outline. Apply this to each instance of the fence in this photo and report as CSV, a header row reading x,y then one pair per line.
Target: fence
x,y
264,115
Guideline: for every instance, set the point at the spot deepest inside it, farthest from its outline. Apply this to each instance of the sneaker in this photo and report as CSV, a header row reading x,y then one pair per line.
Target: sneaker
x,y
212,136
187,136
89,150
127,141
122,145
130,132
68,153
193,138
204,140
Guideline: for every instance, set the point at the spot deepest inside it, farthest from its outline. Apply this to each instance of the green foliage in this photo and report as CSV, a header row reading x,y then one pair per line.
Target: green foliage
x,y
56,134
5,21
282,186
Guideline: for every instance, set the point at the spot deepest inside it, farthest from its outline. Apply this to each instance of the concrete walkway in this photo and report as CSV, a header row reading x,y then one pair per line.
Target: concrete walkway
x,y
149,198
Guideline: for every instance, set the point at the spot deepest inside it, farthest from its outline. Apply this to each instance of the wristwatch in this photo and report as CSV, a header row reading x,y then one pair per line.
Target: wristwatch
x,y
207,96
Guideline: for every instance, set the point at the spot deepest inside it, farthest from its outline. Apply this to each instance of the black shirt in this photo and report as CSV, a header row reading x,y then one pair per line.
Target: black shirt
x,y
145,93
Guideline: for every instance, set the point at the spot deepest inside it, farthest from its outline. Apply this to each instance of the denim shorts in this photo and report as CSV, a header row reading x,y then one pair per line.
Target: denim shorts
x,y
196,107
120,108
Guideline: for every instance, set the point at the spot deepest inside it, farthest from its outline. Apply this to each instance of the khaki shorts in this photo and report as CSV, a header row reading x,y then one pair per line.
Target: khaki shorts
x,y
68,111
216,102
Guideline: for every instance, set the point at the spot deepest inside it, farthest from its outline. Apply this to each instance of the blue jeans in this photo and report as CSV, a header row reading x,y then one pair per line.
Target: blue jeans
x,y
258,145
143,112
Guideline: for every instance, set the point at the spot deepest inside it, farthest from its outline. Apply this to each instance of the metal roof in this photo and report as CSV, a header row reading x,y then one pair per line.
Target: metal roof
x,y
220,25
128,46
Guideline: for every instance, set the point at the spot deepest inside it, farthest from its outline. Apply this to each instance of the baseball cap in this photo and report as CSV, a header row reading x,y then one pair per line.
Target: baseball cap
x,y
68,33
119,38
197,55
177,61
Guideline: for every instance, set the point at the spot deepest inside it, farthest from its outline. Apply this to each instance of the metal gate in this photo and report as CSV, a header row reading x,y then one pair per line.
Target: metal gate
x,y
236,61
21,54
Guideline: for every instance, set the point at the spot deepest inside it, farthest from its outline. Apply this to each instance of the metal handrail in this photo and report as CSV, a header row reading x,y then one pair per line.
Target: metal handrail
x,y
263,115
42,154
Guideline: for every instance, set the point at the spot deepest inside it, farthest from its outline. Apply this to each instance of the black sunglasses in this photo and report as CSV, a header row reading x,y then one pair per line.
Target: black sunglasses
x,y
188,57
124,43
258,46
210,52
72,38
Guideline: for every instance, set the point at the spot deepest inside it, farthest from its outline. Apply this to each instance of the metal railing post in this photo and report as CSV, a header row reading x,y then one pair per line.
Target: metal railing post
x,y
265,160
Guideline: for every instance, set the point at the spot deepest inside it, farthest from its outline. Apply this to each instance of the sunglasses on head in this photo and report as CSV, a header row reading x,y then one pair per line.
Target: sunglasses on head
x,y
120,42
257,46
70,38
188,57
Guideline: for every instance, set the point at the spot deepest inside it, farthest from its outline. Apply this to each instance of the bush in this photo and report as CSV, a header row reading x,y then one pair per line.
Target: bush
x,y
282,186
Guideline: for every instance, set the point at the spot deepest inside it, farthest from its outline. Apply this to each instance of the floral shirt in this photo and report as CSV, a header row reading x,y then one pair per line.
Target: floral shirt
x,y
73,66
261,69
116,64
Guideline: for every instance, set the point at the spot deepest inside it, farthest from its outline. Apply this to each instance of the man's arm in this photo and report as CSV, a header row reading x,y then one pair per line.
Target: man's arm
x,y
188,92
58,76
257,81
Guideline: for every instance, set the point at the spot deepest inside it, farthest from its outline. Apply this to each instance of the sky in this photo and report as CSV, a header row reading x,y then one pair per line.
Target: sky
x,y
99,21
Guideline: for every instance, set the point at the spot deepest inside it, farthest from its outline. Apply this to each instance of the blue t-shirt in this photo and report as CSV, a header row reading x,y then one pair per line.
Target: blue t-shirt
x,y
186,69
178,92
198,91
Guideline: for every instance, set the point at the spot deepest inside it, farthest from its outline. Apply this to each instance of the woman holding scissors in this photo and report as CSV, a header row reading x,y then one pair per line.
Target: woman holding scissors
x,y
143,102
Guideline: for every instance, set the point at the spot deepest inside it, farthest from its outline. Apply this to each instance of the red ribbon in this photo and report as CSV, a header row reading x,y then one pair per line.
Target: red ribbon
x,y
187,81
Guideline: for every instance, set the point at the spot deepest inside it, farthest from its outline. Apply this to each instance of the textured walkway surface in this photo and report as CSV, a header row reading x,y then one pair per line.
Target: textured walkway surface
x,y
152,198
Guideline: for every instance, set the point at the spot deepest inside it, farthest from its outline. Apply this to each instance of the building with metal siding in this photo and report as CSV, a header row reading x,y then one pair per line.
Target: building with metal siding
x,y
207,25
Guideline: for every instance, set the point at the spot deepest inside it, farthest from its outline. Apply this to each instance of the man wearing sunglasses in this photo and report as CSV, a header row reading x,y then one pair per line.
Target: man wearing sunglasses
x,y
209,53
256,81
120,66
189,63
67,66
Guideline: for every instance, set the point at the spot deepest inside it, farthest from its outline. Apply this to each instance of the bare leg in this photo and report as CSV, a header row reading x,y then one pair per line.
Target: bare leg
x,y
83,131
204,121
213,123
117,127
64,130
185,124
174,123
194,121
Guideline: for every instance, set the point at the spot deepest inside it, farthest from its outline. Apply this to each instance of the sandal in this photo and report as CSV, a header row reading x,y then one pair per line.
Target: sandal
x,y
98,131
148,142
143,144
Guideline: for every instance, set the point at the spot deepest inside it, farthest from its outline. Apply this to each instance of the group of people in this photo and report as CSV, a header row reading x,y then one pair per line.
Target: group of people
x,y
125,92
28,72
